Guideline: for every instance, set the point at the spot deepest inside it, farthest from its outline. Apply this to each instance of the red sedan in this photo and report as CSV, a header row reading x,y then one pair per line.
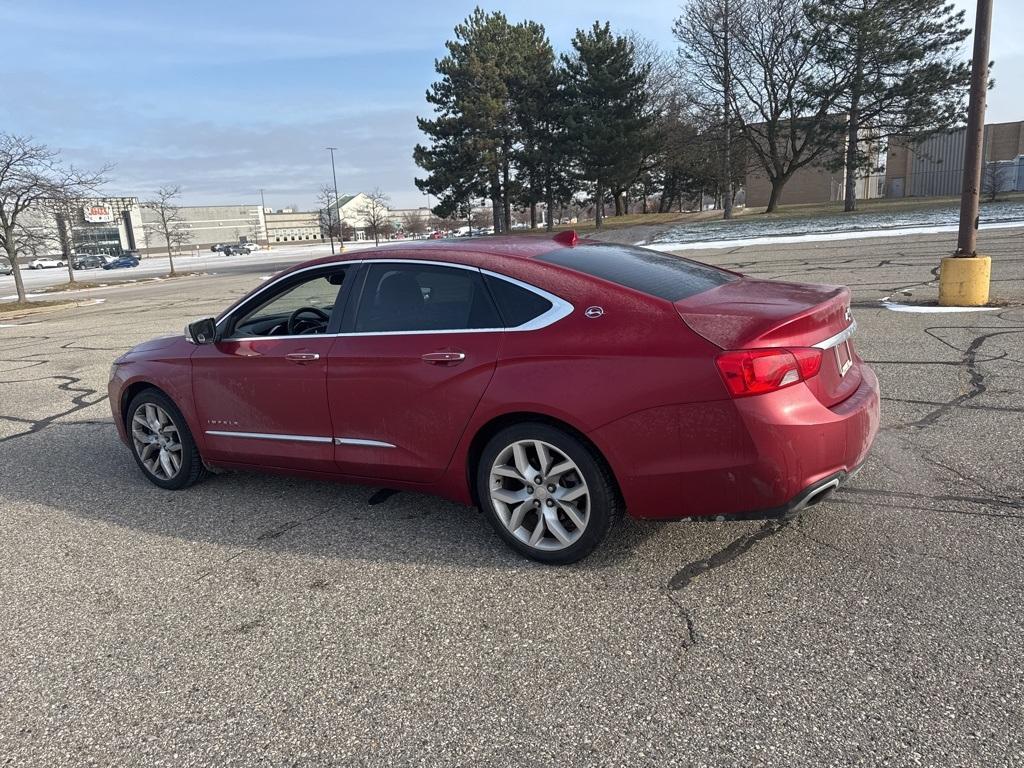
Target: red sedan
x,y
556,384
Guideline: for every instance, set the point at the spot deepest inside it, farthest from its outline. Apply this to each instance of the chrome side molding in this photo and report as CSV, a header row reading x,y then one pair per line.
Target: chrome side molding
x,y
362,442
301,438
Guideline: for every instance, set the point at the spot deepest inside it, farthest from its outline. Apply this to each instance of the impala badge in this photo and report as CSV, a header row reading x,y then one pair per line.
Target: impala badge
x,y
593,312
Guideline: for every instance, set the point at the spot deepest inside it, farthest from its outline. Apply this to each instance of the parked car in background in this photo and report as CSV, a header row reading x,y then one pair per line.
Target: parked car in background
x,y
252,246
555,383
88,261
217,247
5,267
46,262
122,262
236,250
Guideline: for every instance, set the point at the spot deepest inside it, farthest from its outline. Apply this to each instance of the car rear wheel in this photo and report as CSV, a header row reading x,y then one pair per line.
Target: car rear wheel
x,y
161,441
546,493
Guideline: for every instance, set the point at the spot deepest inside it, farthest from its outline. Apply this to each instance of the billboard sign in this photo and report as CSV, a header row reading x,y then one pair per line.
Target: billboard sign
x,y
98,213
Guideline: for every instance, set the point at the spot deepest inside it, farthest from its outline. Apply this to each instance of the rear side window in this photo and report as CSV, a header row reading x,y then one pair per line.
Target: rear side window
x,y
421,297
516,305
657,274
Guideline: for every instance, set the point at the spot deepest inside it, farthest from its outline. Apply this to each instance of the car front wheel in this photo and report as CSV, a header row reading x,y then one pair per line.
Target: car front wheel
x,y
161,441
546,493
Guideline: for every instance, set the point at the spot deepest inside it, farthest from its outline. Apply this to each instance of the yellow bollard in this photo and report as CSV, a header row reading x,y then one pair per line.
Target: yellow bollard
x,y
963,282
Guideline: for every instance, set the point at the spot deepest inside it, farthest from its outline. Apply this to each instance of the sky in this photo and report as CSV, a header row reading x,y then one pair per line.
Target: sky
x,y
224,98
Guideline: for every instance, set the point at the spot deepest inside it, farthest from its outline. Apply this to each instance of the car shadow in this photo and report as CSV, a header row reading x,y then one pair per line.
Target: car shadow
x,y
98,480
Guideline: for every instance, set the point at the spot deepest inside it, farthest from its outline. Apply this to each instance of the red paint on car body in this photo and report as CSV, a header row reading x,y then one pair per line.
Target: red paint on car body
x,y
639,381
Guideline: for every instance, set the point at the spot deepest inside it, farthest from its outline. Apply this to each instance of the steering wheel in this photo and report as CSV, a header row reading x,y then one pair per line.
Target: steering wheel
x,y
298,325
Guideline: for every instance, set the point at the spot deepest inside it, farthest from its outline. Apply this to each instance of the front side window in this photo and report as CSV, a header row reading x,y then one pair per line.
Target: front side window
x,y
423,297
297,308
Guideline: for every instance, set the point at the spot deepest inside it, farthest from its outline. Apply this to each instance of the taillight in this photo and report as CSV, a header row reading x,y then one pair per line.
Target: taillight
x,y
755,371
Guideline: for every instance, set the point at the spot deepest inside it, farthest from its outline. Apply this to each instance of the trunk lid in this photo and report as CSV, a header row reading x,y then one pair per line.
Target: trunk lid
x,y
752,314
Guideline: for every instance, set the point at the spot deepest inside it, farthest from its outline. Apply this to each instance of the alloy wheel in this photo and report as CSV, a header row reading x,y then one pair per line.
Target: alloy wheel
x,y
540,495
156,441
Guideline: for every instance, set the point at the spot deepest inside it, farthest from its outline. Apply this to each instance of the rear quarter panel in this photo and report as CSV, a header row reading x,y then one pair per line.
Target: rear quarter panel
x,y
631,366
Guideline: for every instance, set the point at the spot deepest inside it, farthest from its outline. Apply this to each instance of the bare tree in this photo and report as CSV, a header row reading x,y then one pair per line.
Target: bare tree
x,y
995,178
706,32
329,214
375,213
169,223
414,224
31,176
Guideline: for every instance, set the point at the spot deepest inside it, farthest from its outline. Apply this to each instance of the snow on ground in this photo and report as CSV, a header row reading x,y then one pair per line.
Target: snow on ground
x,y
759,230
811,237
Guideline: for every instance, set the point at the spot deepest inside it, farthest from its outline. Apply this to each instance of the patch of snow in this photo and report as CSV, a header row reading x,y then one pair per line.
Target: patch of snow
x,y
814,237
926,310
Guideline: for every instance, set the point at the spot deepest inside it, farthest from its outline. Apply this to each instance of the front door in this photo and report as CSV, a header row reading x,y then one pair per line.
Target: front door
x,y
405,378
261,391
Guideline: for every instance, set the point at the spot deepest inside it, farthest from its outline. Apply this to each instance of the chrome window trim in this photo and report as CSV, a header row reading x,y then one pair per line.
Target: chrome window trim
x,y
839,338
270,436
362,442
560,308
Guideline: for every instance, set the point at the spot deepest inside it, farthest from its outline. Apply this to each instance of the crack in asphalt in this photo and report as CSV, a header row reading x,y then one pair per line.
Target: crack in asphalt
x,y
691,638
684,576
79,402
977,378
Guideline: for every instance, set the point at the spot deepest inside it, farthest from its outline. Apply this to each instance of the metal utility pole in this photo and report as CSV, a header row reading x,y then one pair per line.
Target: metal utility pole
x,y
975,138
337,205
964,278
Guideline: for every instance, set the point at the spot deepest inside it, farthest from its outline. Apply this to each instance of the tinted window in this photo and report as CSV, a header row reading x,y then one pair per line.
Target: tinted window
x,y
668,277
421,297
516,305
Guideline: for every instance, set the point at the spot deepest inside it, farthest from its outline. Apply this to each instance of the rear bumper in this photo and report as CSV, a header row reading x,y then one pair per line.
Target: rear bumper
x,y
761,456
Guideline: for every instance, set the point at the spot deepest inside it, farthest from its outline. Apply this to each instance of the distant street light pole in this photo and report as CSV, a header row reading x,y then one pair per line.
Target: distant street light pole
x,y
337,204
964,278
263,216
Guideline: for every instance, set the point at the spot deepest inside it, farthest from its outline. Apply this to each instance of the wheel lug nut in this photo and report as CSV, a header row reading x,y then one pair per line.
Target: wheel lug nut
x,y
551,489
550,503
536,502
538,480
529,489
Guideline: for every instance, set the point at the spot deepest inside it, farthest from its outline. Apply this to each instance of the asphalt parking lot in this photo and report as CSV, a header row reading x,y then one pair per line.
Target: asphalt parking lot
x,y
258,620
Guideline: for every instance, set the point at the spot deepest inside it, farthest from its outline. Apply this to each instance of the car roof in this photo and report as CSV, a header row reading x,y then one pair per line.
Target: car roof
x,y
467,250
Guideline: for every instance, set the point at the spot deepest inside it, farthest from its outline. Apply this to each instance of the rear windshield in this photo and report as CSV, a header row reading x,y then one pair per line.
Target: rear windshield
x,y
658,274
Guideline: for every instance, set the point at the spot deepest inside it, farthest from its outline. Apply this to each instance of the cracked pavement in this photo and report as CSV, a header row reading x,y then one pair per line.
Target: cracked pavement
x,y
259,620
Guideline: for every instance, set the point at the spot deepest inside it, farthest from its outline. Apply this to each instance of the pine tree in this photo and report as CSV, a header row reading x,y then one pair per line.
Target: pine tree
x,y
606,119
899,63
473,135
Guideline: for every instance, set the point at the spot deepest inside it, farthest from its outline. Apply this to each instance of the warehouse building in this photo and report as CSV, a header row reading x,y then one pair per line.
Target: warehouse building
x,y
112,225
935,167
817,183
205,225
288,226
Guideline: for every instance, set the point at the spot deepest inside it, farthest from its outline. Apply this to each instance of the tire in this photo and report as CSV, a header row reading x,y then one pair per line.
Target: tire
x,y
586,492
188,468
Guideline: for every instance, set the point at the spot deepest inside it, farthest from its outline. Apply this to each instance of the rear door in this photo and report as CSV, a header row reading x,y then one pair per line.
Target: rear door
x,y
417,351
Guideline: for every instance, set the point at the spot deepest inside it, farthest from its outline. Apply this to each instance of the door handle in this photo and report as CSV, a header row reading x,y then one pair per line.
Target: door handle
x,y
441,358
301,357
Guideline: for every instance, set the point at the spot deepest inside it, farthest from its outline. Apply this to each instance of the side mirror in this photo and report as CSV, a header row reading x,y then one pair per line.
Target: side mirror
x,y
202,331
